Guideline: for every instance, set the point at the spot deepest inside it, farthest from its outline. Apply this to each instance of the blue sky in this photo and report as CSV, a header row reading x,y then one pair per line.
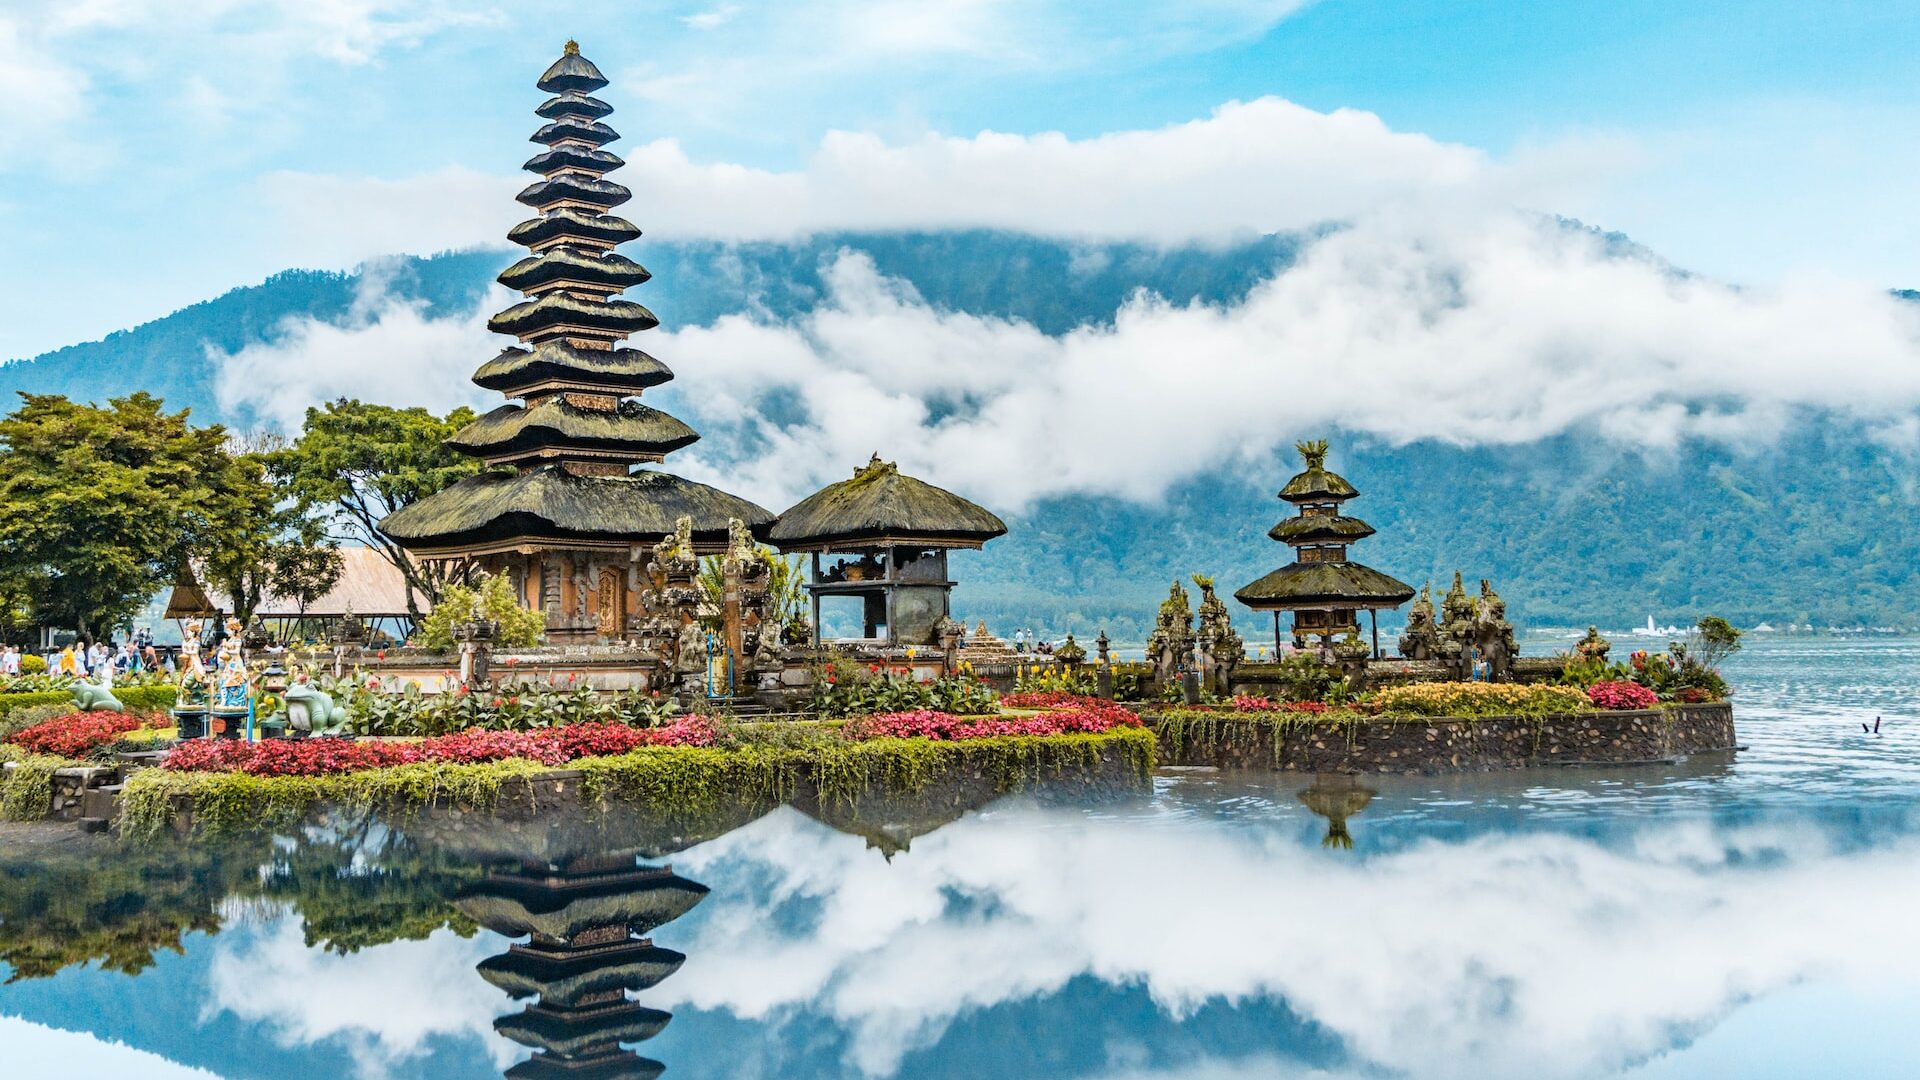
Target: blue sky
x,y
156,153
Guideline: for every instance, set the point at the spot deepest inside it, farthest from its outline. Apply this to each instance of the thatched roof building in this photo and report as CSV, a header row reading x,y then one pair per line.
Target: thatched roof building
x,y
369,587
899,530
571,502
1322,587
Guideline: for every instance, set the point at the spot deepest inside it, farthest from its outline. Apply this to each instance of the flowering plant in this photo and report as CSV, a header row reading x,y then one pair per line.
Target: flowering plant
x,y
319,757
1620,694
75,734
1479,699
939,726
1048,699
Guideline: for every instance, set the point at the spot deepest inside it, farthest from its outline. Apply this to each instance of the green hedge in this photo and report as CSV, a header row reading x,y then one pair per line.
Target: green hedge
x,y
675,783
137,699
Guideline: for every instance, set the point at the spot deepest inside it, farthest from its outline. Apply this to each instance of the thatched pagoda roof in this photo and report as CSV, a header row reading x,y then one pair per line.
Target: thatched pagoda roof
x,y
1314,528
551,504
568,223
569,975
574,104
553,310
572,157
1325,585
642,901
1316,484
574,129
882,505
614,369
572,73
555,423
605,194
573,1030
612,1065
610,271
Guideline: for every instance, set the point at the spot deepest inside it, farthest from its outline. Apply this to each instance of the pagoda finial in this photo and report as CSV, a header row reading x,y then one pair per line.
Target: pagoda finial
x,y
573,47
1314,452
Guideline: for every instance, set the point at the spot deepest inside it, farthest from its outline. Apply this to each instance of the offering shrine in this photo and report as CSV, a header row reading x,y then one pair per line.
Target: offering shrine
x,y
1324,589
572,505
891,533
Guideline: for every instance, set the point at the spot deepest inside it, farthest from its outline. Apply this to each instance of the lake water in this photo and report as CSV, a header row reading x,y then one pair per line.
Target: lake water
x,y
1749,915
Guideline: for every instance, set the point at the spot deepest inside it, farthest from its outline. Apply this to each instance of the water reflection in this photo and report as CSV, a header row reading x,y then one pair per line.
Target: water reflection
x,y
1337,798
586,920
1726,916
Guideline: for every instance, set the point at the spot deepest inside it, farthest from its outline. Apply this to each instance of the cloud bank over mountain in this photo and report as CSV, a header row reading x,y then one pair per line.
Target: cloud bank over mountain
x,y
1486,328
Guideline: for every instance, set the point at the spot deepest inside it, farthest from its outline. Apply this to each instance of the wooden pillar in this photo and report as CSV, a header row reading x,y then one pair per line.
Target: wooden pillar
x,y
1276,635
1374,614
818,635
893,571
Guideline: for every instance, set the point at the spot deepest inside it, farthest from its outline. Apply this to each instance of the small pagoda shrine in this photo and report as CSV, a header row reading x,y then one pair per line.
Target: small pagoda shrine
x,y
570,507
1323,588
587,921
889,534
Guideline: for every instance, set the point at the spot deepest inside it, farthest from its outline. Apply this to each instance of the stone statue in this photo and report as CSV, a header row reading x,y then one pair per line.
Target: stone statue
x,y
314,711
1493,634
690,652
1456,624
1218,645
96,697
1593,648
1071,653
1422,639
1170,646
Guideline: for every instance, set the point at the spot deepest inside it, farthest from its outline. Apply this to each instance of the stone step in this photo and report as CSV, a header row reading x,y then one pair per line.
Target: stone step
x,y
102,803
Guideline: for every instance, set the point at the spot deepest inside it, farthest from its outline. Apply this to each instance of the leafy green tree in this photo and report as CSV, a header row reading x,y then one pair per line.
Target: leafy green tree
x,y
1714,639
355,463
519,626
100,505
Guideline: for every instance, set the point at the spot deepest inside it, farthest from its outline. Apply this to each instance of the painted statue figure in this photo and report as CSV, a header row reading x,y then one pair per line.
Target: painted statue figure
x,y
190,665
231,680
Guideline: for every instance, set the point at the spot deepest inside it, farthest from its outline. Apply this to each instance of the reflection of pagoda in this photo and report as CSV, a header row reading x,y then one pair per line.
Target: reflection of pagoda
x,y
586,922
1337,798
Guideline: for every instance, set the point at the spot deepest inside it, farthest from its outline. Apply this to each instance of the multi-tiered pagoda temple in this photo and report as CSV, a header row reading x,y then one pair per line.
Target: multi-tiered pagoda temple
x,y
571,502
1323,588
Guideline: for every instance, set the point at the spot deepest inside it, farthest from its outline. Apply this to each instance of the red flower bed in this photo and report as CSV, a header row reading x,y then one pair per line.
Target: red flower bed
x,y
1049,699
939,726
1694,695
1619,694
320,757
75,734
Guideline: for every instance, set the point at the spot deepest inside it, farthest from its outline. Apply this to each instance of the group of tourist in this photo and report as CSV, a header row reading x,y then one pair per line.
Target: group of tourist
x,y
100,661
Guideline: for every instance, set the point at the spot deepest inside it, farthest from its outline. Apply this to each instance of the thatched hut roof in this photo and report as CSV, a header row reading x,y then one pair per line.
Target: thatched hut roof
x,y
572,127
575,187
573,224
573,104
573,267
1318,528
369,586
882,505
1325,585
551,504
555,309
556,423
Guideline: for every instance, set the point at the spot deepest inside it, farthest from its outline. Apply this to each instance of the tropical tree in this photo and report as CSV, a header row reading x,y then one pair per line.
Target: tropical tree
x,y
101,505
785,585
355,463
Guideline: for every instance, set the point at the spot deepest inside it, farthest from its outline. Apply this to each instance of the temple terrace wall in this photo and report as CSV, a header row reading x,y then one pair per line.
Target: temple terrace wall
x,y
1428,745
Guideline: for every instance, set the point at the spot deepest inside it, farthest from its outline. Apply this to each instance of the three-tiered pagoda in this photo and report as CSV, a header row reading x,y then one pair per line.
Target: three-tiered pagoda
x,y
570,502
1323,588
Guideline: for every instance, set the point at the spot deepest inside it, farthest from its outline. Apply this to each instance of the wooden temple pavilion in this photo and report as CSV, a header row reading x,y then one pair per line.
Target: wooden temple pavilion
x,y
1324,589
370,590
570,504
892,533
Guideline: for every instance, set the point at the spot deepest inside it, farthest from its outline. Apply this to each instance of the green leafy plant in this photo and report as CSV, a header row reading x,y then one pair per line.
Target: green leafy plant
x,y
520,627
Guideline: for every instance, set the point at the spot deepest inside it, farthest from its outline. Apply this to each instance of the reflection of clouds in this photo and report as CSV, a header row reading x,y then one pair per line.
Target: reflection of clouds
x,y
37,1050
1530,954
382,1003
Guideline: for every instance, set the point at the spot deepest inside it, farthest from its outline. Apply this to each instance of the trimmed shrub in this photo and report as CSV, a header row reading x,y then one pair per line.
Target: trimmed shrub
x,y
1480,699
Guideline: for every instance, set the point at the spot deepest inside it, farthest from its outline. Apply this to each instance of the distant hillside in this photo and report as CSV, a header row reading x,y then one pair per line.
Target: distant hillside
x,y
1823,527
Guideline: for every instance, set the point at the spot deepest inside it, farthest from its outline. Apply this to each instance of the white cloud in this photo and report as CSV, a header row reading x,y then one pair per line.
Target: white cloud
x,y
1486,328
385,350
1532,955
1249,167
382,1004
712,17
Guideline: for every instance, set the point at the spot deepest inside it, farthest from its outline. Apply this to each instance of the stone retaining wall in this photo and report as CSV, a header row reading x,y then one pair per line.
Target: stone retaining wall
x,y
1442,744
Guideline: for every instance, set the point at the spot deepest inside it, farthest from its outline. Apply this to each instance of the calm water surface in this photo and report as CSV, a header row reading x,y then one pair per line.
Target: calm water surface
x,y
1749,915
